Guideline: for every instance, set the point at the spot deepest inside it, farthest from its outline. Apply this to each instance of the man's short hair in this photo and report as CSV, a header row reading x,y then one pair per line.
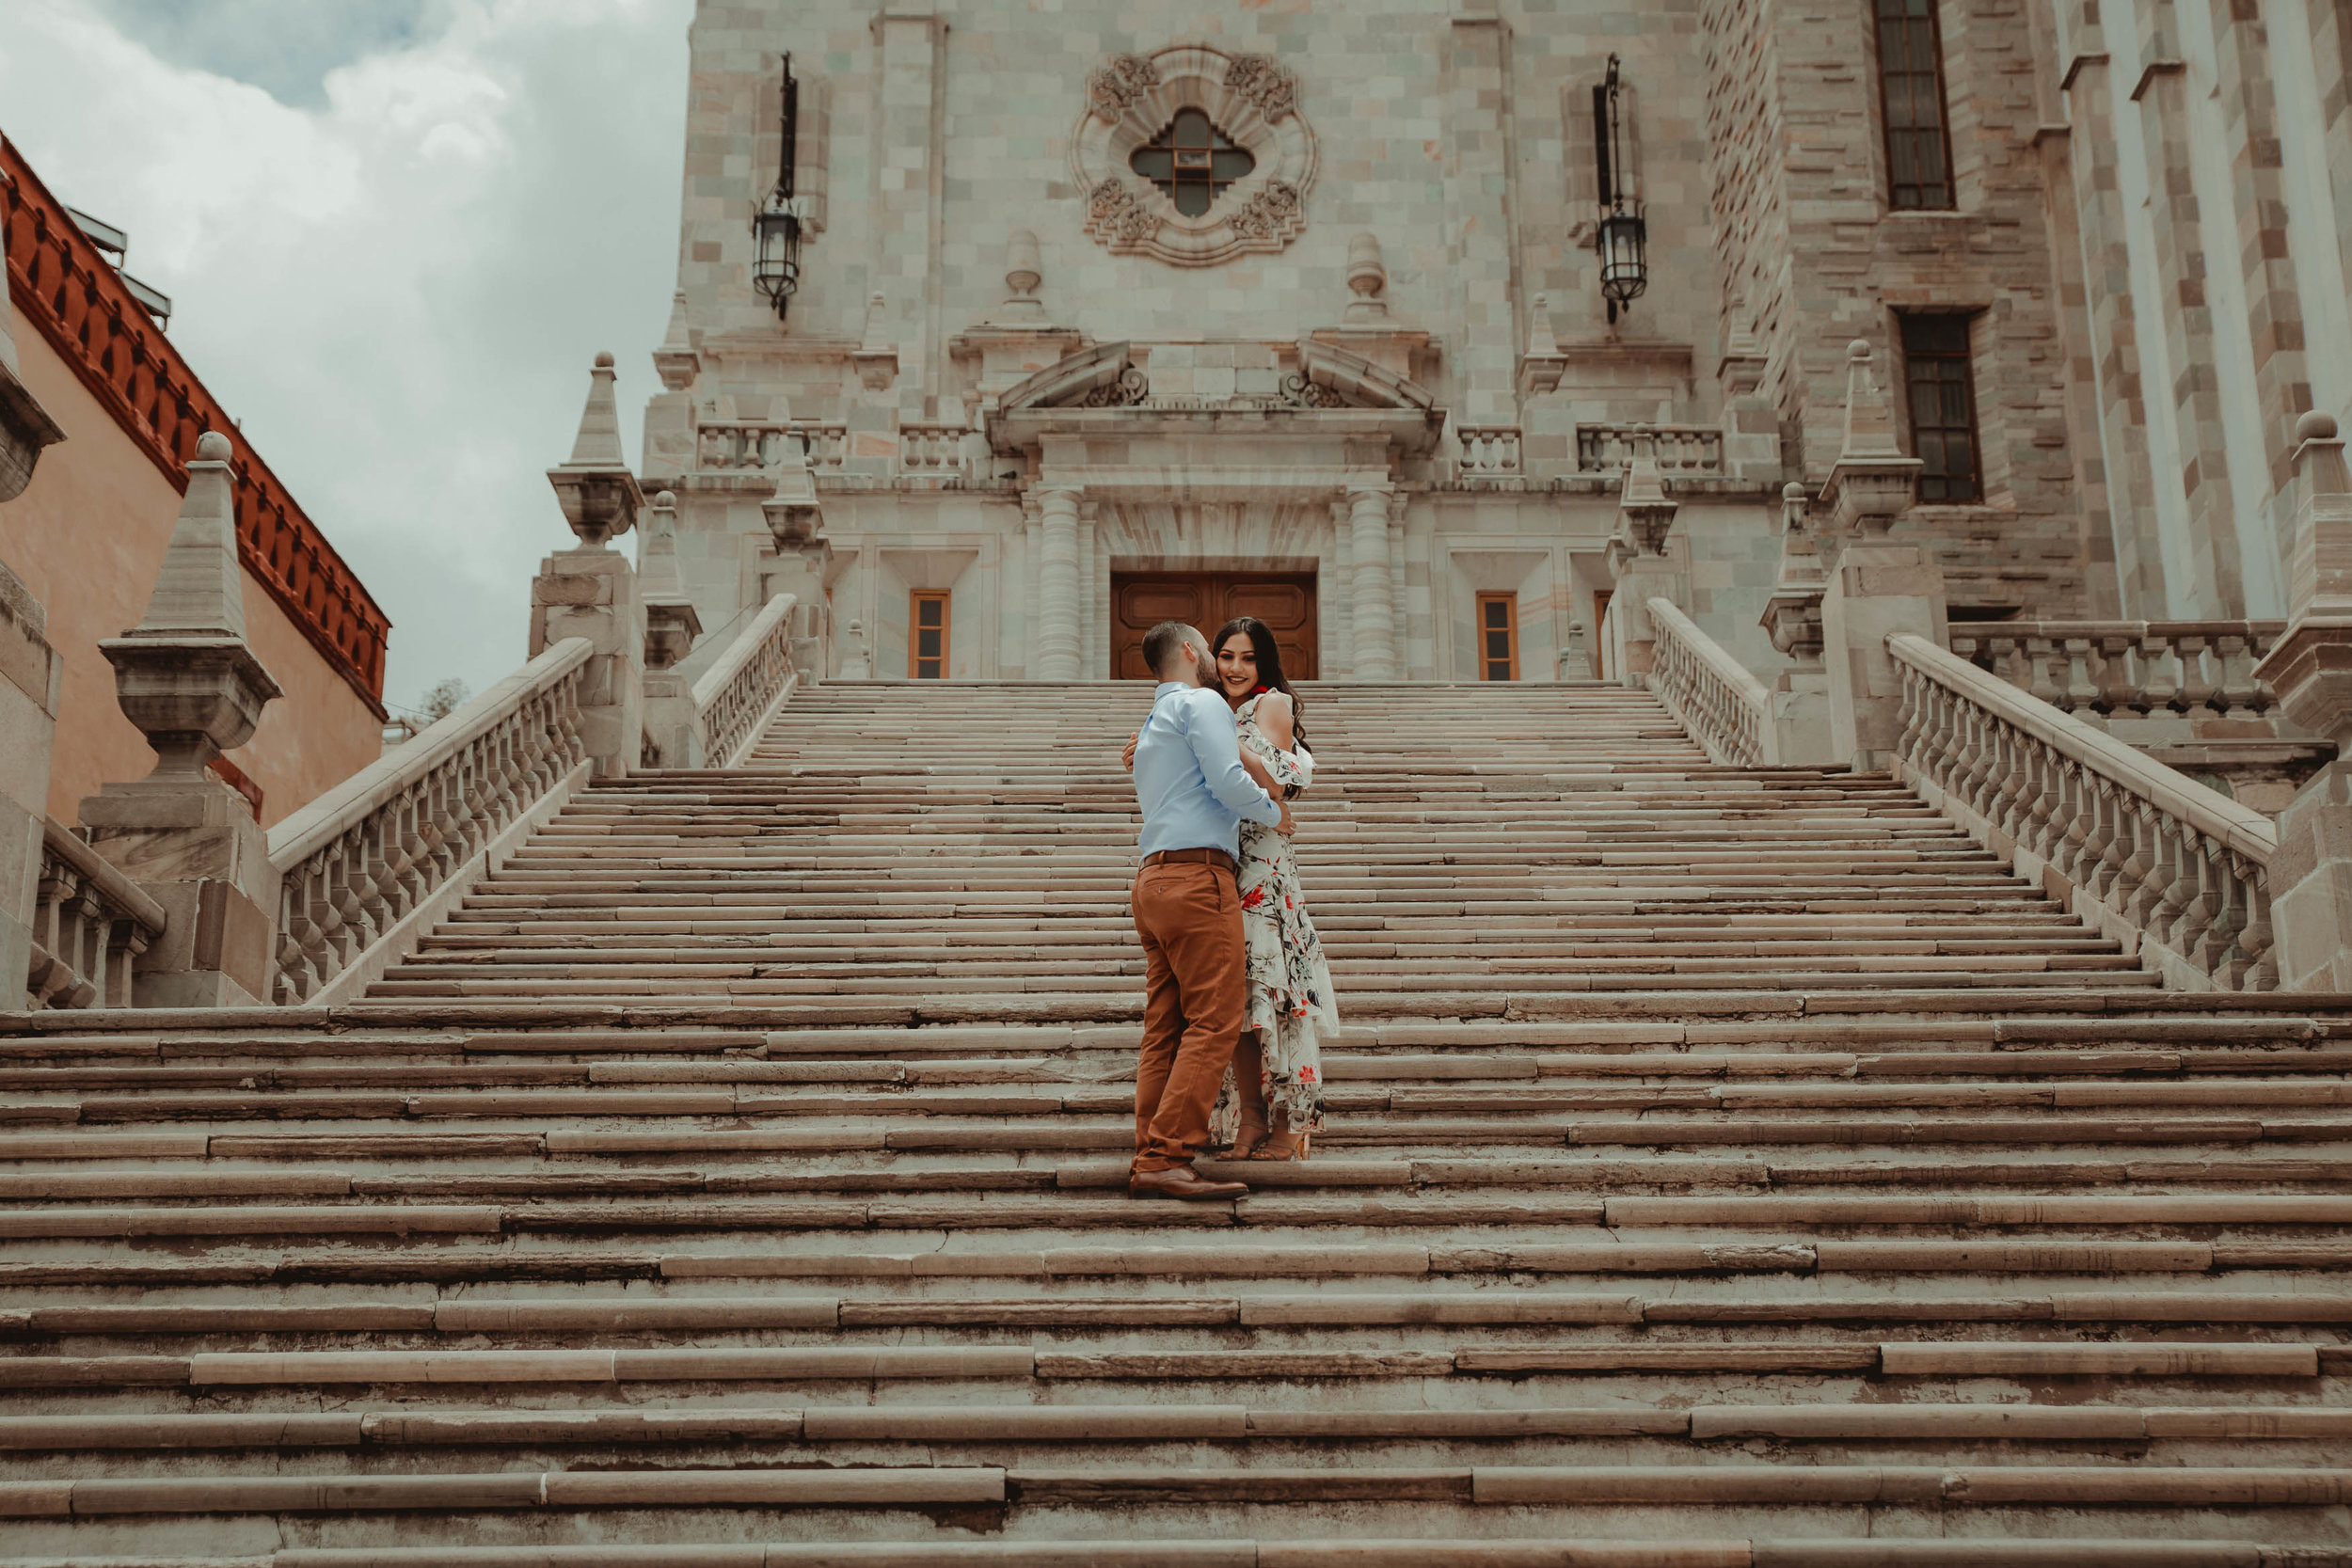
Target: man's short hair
x,y
1161,642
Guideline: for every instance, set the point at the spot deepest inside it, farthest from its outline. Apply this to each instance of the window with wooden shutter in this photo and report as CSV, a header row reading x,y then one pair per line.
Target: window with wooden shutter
x,y
927,635
1498,637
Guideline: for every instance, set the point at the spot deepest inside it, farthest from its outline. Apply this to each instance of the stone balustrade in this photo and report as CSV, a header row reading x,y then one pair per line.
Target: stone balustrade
x,y
1677,448
1490,451
369,866
1725,708
89,922
736,697
2142,852
2191,668
729,446
934,451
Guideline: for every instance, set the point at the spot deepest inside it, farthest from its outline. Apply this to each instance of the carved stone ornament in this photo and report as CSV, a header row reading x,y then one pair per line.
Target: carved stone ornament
x,y
1251,99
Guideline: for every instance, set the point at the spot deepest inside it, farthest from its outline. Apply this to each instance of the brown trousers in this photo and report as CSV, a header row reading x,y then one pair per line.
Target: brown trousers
x,y
1188,914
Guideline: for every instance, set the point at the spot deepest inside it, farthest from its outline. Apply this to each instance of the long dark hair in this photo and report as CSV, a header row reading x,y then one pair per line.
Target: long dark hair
x,y
1270,663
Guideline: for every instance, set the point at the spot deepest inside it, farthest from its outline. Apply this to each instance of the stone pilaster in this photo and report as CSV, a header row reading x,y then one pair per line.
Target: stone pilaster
x,y
1057,632
2311,667
186,676
1372,611
2184,265
2129,487
1479,232
912,40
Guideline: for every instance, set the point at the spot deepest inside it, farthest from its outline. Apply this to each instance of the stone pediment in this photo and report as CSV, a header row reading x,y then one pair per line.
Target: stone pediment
x,y
1326,377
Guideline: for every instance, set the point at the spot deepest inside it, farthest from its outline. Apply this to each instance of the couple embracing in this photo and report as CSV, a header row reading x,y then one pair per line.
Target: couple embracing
x,y
1238,996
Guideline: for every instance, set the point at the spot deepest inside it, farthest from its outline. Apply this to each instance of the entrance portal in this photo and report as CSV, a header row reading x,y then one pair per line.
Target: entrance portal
x,y
1285,601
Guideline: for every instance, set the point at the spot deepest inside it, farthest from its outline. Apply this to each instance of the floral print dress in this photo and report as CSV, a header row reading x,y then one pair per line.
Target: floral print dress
x,y
1290,1002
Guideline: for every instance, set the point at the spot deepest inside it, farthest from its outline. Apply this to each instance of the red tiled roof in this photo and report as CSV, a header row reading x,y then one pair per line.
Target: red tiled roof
x,y
63,285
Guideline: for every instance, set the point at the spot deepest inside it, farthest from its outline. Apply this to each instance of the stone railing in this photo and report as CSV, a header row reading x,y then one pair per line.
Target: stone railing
x,y
728,446
2195,668
736,697
1490,451
368,868
1677,449
1710,693
88,923
931,449
2176,872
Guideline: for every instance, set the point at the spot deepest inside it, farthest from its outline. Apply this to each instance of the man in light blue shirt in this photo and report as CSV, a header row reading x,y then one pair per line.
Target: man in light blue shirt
x,y
1193,791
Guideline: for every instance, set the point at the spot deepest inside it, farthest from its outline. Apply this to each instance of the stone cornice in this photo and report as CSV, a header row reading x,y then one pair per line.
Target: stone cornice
x,y
69,292
2154,69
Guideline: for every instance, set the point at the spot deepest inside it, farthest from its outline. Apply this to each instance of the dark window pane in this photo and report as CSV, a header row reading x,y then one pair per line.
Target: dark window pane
x,y
1943,409
1192,160
1911,96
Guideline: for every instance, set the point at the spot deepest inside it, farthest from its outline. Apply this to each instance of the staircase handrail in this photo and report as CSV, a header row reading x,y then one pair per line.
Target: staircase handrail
x,y
736,696
2126,667
1711,694
359,865
2176,871
90,921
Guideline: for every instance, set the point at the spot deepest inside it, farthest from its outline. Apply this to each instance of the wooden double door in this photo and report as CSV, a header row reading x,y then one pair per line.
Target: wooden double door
x,y
1285,601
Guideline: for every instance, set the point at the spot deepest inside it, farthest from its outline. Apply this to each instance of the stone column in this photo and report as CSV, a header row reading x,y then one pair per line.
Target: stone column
x,y
32,671
1057,637
671,627
1372,605
1641,568
1876,586
591,591
2311,667
799,560
1792,618
187,678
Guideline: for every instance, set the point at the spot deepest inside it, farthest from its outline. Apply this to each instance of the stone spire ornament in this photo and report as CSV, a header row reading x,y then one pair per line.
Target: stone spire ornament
x,y
184,674
676,361
1542,365
876,356
1792,616
595,485
1645,512
672,622
795,515
1872,483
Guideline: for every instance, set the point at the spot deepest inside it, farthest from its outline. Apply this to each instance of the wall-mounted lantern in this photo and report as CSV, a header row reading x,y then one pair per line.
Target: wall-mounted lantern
x,y
1622,237
777,264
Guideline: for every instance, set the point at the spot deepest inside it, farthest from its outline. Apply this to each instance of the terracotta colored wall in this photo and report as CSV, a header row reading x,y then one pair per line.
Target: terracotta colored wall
x,y
87,536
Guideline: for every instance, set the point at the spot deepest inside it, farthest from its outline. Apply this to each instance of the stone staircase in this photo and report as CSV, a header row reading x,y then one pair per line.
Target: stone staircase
x,y
1725,1166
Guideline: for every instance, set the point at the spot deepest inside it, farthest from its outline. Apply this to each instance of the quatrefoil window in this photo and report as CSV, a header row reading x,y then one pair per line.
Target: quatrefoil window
x,y
1192,160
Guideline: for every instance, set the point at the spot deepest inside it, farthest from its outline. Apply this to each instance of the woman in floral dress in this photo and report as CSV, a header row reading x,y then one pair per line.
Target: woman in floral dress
x,y
1272,1101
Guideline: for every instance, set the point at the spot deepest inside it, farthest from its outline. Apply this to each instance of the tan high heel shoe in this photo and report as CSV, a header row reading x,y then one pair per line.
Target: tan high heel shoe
x,y
1285,1146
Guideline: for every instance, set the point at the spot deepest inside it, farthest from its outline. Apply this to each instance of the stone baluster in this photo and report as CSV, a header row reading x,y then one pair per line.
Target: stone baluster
x,y
187,678
1372,609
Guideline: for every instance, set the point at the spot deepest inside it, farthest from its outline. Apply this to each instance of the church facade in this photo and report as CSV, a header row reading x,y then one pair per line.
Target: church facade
x,y
1078,316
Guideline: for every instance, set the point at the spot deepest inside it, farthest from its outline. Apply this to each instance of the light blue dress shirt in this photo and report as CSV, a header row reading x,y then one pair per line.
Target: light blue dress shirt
x,y
1189,778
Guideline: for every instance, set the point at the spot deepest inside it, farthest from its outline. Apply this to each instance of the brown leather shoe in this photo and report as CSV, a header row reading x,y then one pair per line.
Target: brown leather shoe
x,y
1182,1181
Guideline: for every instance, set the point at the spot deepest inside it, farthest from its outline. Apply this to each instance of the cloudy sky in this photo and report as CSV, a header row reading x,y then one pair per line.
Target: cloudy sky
x,y
395,232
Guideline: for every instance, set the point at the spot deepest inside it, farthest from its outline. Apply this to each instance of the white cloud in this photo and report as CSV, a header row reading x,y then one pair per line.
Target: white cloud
x,y
398,293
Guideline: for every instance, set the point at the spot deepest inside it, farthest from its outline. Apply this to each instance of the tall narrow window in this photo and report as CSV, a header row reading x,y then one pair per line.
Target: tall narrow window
x,y
1911,87
926,637
1192,160
1498,637
1943,407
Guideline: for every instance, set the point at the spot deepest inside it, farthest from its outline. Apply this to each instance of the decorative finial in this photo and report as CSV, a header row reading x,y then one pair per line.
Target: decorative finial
x,y
675,361
1367,279
1542,343
595,485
